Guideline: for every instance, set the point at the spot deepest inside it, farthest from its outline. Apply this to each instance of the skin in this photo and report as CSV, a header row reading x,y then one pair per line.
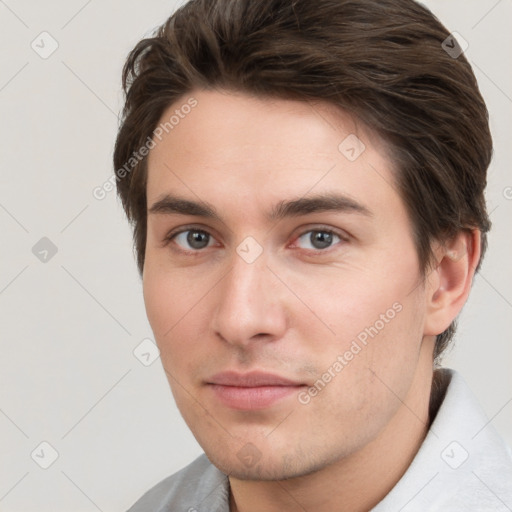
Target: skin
x,y
296,308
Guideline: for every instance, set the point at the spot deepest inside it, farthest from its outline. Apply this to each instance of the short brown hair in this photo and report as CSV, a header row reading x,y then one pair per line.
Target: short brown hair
x,y
386,62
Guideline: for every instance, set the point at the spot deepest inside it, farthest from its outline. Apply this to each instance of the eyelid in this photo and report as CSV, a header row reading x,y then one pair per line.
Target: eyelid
x,y
321,227
343,235
173,233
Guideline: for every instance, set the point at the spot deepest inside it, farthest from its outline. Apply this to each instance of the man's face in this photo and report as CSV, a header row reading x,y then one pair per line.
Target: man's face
x,y
281,282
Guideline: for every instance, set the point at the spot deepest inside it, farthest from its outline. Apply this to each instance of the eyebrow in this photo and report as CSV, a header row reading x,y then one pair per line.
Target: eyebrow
x,y
170,204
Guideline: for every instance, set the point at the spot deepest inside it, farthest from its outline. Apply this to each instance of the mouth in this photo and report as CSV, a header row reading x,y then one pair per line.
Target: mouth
x,y
251,391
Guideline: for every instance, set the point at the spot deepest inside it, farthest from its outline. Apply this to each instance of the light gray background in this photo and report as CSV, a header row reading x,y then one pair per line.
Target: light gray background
x,y
69,326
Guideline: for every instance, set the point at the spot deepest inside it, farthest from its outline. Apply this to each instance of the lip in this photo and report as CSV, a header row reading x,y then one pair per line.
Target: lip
x,y
251,379
251,391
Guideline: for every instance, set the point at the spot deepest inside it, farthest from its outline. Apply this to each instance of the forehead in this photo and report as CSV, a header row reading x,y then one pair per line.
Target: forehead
x,y
235,149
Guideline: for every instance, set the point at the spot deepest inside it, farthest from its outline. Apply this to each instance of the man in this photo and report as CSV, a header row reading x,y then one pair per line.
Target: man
x,y
305,182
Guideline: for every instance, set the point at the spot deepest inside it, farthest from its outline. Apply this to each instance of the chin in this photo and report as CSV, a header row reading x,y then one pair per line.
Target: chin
x,y
248,463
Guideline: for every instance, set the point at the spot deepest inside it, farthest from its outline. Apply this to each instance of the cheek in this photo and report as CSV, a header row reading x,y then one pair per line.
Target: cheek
x,y
350,306
173,307
158,301
166,309
375,317
371,379
382,372
169,296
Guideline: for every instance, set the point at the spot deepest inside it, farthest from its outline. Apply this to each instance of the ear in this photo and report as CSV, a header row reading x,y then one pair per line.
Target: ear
x,y
449,283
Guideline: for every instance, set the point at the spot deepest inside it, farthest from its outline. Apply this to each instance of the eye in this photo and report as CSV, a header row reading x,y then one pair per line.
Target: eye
x,y
194,239
318,239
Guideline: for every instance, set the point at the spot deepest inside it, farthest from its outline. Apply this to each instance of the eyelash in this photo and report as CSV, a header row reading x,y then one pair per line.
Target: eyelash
x,y
322,229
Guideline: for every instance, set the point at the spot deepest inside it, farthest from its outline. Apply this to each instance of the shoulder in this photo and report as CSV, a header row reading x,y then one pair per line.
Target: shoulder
x,y
198,485
463,464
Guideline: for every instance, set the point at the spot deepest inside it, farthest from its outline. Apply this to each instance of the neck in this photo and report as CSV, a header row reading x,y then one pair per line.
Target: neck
x,y
358,482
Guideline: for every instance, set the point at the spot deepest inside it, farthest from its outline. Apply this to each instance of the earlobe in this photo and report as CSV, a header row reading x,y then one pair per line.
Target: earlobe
x,y
448,285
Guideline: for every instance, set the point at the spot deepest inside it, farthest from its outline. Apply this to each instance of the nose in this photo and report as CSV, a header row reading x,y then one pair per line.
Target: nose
x,y
250,304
